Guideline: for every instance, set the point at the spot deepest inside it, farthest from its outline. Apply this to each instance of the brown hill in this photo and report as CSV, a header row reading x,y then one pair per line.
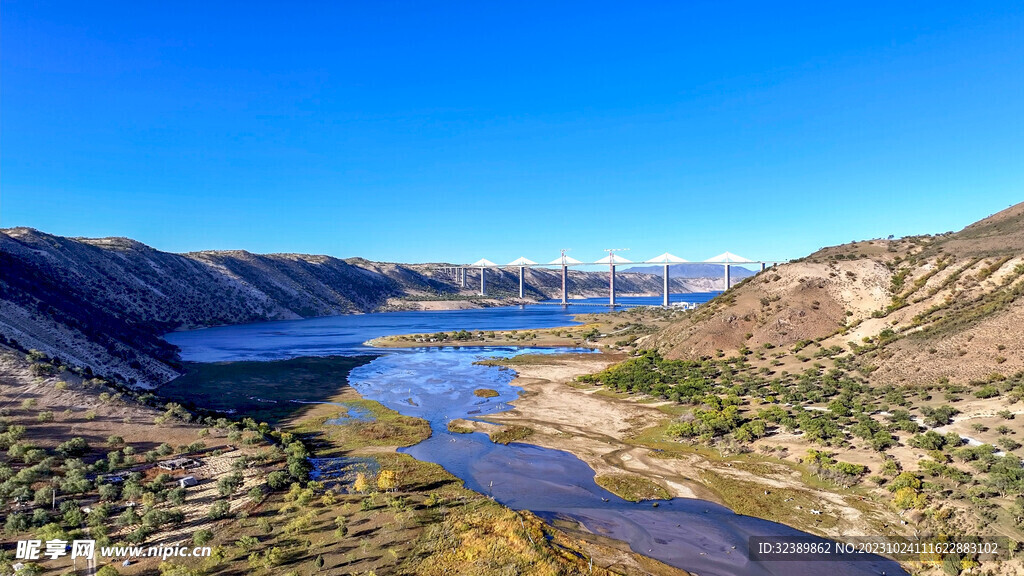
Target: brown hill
x,y
104,303
930,307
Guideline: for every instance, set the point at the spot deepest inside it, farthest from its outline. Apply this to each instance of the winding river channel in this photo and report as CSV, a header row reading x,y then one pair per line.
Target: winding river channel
x,y
437,385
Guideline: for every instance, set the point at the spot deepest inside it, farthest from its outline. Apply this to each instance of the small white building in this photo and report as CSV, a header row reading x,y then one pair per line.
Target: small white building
x,y
188,481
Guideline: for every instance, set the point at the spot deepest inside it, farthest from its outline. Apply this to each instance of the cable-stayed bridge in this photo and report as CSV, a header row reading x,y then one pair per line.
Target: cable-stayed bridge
x,y
612,260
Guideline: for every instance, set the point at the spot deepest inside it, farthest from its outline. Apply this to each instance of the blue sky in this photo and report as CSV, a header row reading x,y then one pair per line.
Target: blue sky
x,y
454,131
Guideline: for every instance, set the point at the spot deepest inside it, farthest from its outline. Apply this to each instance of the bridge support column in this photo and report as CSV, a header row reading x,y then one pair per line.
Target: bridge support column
x,y
522,271
665,300
611,285
727,280
762,266
565,285
462,277
483,281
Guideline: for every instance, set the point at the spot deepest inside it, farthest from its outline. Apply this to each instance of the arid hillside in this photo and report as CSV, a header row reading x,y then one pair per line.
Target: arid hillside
x,y
104,303
930,307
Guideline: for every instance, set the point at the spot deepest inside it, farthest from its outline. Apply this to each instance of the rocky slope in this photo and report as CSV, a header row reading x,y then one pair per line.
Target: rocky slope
x,y
932,307
104,303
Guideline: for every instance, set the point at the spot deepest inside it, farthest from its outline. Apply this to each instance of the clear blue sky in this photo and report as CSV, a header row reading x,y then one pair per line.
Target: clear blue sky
x,y
454,131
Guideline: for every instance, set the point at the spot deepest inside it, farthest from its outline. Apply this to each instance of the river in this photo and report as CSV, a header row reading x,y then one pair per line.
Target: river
x,y
438,384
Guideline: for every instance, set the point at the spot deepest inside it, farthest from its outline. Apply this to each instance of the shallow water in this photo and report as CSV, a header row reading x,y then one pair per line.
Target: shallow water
x,y
438,384
692,534
355,414
342,469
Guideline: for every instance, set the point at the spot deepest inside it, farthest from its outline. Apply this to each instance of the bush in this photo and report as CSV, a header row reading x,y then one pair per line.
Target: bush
x,y
939,416
220,509
42,370
882,441
988,391
202,537
227,485
278,480
16,522
73,447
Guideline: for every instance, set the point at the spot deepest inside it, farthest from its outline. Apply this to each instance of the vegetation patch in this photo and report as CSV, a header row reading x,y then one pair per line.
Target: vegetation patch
x,y
524,360
264,391
511,434
786,505
631,487
458,426
387,428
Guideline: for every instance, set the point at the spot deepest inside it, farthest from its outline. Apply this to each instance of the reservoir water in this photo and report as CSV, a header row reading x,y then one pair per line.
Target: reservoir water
x,y
438,384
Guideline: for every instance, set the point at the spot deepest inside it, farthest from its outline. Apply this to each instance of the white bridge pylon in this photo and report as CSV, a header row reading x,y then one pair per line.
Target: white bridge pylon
x,y
565,261
612,260
726,258
483,264
668,260
522,262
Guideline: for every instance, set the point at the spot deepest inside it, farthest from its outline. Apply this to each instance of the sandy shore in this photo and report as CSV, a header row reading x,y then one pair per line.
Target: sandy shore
x,y
606,432
590,425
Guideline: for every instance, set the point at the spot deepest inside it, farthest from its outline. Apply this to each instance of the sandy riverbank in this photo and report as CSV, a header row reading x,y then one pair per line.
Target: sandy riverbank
x,y
616,434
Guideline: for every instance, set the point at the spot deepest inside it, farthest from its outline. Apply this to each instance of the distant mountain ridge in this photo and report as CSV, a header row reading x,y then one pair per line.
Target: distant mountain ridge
x,y
105,303
694,270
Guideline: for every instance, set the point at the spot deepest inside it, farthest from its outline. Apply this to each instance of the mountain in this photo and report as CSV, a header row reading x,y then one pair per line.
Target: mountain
x,y
932,308
695,270
544,283
105,303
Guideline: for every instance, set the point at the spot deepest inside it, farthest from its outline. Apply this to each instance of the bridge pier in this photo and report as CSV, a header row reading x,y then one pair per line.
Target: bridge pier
x,y
727,279
665,300
462,277
762,266
483,281
565,286
611,285
522,272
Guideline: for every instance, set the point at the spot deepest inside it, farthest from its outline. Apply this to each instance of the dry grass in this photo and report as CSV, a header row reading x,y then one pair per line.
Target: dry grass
x,y
632,487
511,434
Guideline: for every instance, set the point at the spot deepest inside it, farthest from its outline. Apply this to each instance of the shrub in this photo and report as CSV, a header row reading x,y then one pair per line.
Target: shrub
x,y
220,509
202,537
988,391
73,447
